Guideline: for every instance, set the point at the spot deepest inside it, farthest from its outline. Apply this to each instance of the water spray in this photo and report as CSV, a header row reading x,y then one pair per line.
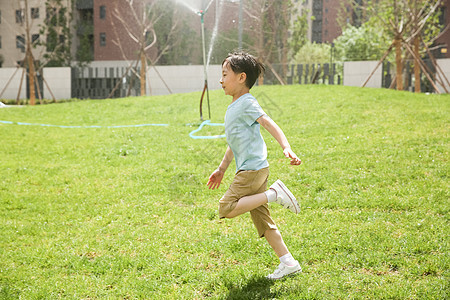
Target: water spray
x,y
201,14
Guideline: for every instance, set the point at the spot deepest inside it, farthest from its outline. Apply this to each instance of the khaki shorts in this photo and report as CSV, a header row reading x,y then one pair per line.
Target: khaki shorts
x,y
247,183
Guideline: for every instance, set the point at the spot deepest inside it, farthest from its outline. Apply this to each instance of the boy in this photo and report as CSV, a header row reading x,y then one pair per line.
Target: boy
x,y
248,191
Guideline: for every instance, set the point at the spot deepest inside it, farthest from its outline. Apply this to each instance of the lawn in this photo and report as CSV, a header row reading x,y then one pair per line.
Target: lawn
x,y
124,212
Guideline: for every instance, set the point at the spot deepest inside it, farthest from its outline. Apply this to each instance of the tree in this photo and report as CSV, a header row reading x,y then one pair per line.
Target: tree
x,y
312,53
403,21
140,29
299,36
361,43
138,20
269,25
57,33
29,59
175,39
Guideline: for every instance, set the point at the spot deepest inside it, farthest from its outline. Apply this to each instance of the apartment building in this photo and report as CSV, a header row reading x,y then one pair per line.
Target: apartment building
x,y
13,18
96,26
100,29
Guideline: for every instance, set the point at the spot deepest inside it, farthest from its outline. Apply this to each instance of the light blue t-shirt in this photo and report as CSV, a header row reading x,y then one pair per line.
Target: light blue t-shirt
x,y
243,133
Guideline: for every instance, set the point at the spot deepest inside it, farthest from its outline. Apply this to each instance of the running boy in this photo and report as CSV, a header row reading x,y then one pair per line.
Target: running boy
x,y
248,191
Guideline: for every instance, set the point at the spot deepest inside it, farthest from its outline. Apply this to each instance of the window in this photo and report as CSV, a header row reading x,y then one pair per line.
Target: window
x,y
0,42
102,12
35,38
19,16
0,17
20,42
35,12
102,39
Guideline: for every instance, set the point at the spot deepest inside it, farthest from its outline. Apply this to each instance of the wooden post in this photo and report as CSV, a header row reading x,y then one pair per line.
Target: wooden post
x,y
422,66
378,64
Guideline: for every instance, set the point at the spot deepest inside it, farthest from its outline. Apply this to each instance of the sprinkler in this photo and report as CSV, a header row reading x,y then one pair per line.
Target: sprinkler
x,y
201,13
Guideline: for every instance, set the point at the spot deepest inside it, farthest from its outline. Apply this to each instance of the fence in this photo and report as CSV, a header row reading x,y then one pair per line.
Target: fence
x,y
304,74
408,76
101,83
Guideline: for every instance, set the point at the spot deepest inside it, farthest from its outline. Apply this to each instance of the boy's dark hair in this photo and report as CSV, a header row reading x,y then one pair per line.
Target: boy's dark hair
x,y
242,62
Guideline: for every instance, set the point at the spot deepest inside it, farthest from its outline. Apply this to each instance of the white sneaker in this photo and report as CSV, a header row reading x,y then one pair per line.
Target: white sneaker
x,y
284,270
284,196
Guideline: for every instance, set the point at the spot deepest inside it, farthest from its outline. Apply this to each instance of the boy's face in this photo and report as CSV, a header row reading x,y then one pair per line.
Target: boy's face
x,y
231,82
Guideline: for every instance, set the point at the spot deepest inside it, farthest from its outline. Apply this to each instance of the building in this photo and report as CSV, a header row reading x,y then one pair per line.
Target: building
x,y
443,41
13,20
325,26
99,33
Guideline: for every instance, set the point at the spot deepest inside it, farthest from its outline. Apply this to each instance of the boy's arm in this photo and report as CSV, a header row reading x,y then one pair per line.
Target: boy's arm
x,y
278,134
227,159
216,177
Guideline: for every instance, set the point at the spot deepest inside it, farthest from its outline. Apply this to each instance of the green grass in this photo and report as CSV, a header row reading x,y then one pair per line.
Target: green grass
x,y
124,213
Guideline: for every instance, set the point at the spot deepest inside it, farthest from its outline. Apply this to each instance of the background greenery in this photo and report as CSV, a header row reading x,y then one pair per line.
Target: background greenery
x,y
91,213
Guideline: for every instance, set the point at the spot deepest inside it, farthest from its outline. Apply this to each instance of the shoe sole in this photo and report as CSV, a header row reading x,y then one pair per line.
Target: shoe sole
x,y
287,275
290,195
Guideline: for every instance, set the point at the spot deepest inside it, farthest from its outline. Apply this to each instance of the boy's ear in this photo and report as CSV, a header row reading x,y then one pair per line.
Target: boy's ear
x,y
242,77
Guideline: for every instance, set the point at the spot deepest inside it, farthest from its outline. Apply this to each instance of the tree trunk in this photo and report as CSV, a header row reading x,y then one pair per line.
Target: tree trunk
x,y
416,65
31,75
29,57
398,62
143,72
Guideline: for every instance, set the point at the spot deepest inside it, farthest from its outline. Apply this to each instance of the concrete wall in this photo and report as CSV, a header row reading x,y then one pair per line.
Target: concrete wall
x,y
179,79
356,73
444,63
59,82
10,82
182,79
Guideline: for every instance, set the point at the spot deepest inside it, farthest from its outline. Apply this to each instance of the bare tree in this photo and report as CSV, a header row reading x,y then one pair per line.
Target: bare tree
x,y
137,22
29,56
29,41
269,28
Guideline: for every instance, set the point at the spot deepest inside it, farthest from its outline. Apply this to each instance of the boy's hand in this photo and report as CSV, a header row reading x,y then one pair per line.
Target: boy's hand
x,y
215,179
290,154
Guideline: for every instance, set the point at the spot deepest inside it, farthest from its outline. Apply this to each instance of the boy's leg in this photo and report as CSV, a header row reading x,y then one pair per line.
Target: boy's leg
x,y
275,240
244,193
266,227
288,265
247,203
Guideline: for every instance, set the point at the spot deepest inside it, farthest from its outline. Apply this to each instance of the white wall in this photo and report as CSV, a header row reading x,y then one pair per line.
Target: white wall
x,y
59,82
356,73
13,76
444,63
181,79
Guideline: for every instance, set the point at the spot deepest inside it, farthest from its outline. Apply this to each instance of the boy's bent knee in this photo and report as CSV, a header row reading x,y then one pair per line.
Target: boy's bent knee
x,y
226,209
